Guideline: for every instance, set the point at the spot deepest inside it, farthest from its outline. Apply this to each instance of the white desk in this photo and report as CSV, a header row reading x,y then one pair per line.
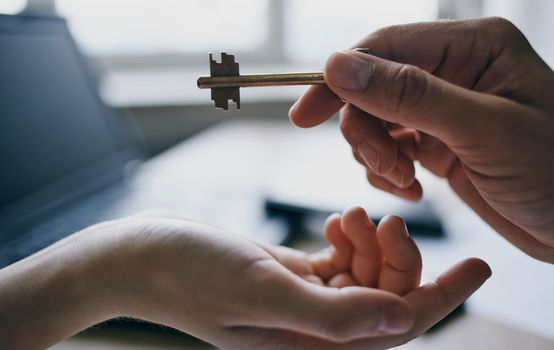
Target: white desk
x,y
239,161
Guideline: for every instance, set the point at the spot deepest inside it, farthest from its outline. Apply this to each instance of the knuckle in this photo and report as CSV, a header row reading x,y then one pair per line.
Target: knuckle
x,y
501,24
503,29
389,31
410,86
442,295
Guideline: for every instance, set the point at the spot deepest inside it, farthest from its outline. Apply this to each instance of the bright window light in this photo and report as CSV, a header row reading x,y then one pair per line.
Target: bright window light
x,y
149,27
12,7
315,28
311,29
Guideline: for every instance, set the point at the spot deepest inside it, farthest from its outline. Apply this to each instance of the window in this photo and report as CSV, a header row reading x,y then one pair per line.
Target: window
x,y
131,27
157,32
315,28
11,7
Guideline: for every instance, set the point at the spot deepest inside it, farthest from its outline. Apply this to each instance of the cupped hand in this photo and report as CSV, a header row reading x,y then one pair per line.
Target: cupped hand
x,y
237,294
470,100
360,254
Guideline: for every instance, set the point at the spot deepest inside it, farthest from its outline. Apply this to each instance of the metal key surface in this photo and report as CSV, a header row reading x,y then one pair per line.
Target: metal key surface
x,y
227,67
225,80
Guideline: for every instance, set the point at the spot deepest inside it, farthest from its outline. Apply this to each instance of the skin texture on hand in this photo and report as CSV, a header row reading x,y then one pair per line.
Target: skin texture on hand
x,y
230,291
470,100
237,294
62,289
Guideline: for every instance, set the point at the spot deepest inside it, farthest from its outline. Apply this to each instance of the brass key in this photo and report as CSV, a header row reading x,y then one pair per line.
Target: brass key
x,y
225,80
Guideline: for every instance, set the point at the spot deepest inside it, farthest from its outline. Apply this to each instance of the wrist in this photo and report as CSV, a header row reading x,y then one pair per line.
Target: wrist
x,y
121,266
53,294
141,261
135,257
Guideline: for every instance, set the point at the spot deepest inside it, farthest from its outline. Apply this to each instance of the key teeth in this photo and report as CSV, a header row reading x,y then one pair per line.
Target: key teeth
x,y
224,104
227,67
221,97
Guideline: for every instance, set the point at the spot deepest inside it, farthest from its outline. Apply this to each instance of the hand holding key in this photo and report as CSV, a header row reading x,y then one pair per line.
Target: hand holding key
x,y
469,100
225,80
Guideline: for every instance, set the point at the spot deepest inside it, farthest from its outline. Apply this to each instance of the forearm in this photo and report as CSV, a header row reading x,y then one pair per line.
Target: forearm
x,y
53,295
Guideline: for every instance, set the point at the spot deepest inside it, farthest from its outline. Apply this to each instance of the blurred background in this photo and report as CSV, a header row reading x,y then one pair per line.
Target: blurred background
x,y
148,53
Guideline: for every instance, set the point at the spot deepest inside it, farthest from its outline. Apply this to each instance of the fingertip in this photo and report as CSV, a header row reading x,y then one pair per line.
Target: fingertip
x,y
353,208
332,218
413,193
391,228
357,213
479,266
332,227
396,221
292,112
298,119
336,237
355,217
463,279
314,107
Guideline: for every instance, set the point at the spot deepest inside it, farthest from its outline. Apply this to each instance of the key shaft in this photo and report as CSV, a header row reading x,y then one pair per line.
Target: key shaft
x,y
225,79
254,80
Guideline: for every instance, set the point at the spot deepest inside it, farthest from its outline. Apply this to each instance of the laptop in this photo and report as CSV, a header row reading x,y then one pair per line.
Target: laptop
x,y
67,159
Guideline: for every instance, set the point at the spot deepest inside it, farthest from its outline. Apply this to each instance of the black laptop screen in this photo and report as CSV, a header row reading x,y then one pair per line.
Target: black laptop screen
x,y
51,122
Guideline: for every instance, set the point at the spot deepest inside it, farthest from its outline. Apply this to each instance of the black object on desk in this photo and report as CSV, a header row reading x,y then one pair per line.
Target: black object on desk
x,y
421,222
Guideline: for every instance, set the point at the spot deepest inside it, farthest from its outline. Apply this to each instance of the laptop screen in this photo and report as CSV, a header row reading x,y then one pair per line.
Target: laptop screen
x,y
52,124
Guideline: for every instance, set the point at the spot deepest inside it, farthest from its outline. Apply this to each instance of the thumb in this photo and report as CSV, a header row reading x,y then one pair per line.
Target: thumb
x,y
341,314
405,95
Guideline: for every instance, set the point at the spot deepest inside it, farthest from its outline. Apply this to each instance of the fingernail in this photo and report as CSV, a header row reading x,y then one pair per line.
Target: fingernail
x,y
405,229
397,319
396,177
370,156
348,71
292,109
362,50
